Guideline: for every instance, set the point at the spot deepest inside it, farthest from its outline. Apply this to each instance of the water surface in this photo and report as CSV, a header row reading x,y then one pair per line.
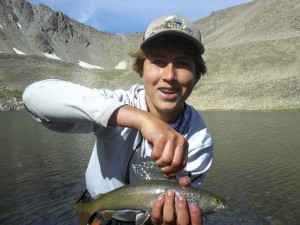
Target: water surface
x,y
256,168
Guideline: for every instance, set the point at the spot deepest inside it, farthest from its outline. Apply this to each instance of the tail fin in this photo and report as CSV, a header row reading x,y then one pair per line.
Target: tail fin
x,y
85,213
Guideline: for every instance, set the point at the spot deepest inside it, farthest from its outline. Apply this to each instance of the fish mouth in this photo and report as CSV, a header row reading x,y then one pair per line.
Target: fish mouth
x,y
223,206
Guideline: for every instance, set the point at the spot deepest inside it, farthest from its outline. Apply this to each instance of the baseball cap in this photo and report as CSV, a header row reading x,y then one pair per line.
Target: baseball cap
x,y
174,24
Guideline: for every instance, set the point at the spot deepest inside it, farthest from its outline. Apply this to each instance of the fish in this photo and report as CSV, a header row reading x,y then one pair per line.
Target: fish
x,y
141,196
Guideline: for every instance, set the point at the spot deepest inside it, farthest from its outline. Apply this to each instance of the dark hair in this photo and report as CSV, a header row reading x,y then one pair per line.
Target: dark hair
x,y
167,42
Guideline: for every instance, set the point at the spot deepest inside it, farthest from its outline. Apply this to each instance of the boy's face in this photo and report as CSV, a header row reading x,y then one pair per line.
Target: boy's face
x,y
168,77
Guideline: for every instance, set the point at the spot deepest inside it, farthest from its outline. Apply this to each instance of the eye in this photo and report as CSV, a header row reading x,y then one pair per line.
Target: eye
x,y
158,61
218,200
185,63
182,64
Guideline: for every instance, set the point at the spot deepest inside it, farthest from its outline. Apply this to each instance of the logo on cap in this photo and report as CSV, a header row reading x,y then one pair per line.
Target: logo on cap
x,y
171,22
172,19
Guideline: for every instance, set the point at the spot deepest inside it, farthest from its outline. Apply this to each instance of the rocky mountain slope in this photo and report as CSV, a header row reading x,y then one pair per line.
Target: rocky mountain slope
x,y
252,54
36,29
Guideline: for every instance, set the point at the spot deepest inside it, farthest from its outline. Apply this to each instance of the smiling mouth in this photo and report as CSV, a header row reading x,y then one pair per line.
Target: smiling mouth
x,y
168,91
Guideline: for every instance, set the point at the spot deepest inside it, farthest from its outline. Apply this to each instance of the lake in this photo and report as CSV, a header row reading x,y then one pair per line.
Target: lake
x,y
256,169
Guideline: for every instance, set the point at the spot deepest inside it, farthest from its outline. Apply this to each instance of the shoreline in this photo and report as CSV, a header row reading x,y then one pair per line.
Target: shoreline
x,y
18,106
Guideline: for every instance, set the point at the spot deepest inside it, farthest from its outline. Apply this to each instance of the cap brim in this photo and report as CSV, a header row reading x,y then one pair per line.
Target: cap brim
x,y
177,33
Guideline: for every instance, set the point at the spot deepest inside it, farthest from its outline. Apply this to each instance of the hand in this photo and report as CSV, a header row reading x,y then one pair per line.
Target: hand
x,y
169,148
163,210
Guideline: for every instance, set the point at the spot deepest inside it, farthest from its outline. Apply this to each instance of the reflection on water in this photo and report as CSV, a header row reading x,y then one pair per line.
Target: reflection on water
x,y
42,172
256,168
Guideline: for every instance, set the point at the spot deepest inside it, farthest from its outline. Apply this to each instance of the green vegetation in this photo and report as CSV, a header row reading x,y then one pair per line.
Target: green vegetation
x,y
11,94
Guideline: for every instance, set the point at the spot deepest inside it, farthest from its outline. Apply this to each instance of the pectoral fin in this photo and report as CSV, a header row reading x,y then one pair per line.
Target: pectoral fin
x,y
141,218
85,213
107,214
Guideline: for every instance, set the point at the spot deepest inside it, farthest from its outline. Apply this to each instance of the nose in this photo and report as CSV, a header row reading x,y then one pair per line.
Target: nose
x,y
170,72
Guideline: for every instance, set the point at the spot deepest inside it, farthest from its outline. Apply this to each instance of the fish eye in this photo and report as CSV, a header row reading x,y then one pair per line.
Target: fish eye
x,y
218,200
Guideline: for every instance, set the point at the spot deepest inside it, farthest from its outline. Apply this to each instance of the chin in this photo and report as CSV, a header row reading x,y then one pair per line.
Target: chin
x,y
170,107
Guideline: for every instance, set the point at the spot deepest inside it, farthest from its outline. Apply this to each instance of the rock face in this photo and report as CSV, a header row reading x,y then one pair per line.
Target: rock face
x,y
36,29
251,51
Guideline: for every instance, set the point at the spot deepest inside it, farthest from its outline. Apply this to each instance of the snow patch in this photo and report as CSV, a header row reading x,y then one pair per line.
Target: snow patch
x,y
19,25
121,66
18,51
52,56
89,66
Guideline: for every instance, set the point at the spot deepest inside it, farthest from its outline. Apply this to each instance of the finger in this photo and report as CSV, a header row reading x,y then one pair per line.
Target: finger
x,y
170,171
167,156
169,208
158,147
157,209
178,154
181,154
185,181
195,214
183,216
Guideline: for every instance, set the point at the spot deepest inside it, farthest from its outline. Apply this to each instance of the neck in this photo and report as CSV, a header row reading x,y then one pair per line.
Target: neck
x,y
169,116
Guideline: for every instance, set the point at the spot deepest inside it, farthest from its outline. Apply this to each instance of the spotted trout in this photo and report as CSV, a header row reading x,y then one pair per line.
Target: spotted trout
x,y
141,196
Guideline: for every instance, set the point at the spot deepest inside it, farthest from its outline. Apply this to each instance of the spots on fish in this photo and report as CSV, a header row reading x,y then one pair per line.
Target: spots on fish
x,y
191,198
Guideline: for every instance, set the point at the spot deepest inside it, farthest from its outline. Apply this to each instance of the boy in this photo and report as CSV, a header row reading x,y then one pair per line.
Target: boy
x,y
147,122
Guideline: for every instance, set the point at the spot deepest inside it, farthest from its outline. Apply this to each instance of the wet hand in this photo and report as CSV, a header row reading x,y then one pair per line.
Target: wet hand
x,y
165,212
169,148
